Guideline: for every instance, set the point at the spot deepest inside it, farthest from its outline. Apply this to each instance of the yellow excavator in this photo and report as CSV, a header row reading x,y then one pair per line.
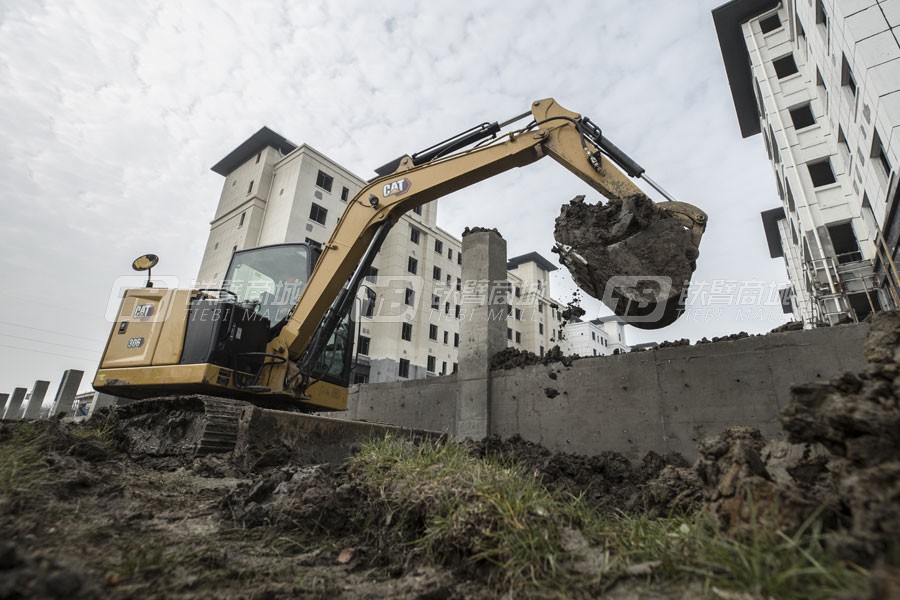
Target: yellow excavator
x,y
233,342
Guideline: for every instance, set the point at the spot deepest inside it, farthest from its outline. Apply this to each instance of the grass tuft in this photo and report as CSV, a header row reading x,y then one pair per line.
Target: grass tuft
x,y
452,509
23,468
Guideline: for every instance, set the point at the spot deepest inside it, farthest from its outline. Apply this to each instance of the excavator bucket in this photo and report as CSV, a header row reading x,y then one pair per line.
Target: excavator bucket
x,y
635,256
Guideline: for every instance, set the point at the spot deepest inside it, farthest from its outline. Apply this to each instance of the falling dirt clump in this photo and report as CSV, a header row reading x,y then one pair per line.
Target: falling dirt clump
x,y
511,358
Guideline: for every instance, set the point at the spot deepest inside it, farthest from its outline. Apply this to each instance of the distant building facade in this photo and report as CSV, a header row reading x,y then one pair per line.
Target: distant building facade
x,y
277,192
597,337
819,79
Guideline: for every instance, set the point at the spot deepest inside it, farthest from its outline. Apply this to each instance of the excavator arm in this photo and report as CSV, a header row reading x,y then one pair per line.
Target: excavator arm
x,y
412,181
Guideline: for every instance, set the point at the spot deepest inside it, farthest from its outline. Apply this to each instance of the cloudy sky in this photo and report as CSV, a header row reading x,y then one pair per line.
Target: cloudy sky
x,y
111,114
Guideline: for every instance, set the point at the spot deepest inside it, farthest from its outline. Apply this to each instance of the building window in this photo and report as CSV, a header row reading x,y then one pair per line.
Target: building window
x,y
540,307
403,370
432,332
517,291
363,345
508,333
821,173
439,246
518,337
458,284
593,336
430,364
258,156
455,367
879,153
444,367
847,79
418,210
414,235
459,257
790,197
250,188
518,315
821,15
412,265
369,306
450,253
542,351
446,308
360,378
508,310
345,194
436,273
843,240
449,281
446,337
457,311
406,332
770,23
435,302
241,222
784,66
541,328
410,297
456,340
802,116
324,181
318,214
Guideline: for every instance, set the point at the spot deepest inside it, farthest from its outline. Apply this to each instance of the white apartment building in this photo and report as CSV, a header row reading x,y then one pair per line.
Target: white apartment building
x,y
820,80
597,337
277,192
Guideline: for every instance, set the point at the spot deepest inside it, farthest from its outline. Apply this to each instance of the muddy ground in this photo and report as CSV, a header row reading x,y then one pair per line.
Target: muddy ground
x,y
83,514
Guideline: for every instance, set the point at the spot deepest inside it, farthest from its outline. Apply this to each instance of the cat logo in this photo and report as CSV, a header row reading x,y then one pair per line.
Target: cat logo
x,y
142,311
396,188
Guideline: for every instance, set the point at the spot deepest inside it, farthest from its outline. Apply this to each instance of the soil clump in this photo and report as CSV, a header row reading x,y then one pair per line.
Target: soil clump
x,y
511,358
632,244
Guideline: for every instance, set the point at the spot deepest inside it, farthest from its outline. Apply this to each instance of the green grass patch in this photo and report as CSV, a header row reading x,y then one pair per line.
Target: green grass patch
x,y
449,508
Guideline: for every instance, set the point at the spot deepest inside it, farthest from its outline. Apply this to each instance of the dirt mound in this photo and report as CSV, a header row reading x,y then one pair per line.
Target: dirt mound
x,y
841,463
608,481
511,358
469,230
789,326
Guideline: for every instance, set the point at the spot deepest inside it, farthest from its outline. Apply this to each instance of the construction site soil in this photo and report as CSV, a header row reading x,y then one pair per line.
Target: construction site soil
x,y
83,514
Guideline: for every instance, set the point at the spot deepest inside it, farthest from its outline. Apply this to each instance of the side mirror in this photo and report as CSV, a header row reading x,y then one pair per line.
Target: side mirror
x,y
145,263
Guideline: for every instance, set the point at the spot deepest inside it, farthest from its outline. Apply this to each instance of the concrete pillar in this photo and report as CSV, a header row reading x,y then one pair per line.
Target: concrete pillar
x,y
15,403
33,410
65,395
3,399
101,400
482,330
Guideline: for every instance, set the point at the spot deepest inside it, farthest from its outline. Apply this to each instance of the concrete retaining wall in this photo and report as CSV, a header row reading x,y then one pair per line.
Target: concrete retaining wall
x,y
662,400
